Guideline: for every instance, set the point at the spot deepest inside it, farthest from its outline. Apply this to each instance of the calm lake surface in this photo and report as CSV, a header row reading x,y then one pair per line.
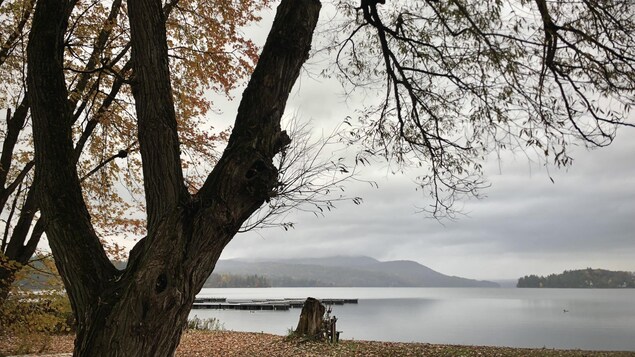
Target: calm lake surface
x,y
594,319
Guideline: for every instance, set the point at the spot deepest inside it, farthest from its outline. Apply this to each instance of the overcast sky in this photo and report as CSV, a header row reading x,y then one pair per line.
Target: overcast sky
x,y
525,225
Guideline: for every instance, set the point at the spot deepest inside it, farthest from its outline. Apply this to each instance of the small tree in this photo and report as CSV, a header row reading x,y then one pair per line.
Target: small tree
x,y
45,309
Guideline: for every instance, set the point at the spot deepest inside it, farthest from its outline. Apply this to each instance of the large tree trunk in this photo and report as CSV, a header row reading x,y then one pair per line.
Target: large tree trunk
x,y
142,310
144,313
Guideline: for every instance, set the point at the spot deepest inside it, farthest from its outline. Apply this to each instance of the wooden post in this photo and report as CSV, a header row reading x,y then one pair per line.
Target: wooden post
x,y
333,330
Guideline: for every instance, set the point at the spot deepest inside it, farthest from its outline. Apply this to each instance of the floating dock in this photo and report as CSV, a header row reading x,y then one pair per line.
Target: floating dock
x,y
261,304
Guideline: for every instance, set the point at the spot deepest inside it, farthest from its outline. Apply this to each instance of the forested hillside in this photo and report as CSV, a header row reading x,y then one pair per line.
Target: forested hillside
x,y
345,271
236,281
585,278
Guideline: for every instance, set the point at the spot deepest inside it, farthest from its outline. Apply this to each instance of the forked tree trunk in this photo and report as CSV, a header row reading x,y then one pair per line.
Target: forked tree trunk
x,y
142,310
144,313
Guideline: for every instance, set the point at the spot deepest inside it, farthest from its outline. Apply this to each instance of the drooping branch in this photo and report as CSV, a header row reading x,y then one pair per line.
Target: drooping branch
x,y
157,127
463,79
418,123
607,53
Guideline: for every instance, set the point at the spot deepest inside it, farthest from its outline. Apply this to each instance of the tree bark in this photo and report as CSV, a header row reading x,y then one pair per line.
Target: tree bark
x,y
80,258
156,117
142,310
311,319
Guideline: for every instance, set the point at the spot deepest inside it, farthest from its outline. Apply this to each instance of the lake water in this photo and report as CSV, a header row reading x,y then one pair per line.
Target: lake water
x,y
590,319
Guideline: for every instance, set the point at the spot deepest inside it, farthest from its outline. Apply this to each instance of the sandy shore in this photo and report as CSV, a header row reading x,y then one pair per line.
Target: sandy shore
x,y
226,343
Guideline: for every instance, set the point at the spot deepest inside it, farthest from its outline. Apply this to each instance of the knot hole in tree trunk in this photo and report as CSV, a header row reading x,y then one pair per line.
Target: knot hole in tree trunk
x,y
161,283
257,167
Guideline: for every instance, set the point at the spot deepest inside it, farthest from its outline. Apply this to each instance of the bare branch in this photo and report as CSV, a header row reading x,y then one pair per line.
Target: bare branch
x,y
466,78
310,178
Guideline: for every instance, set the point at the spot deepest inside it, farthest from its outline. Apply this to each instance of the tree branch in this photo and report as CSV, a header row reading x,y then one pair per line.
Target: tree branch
x,y
5,235
157,128
22,227
98,49
5,193
245,176
11,40
79,254
105,105
15,123
29,249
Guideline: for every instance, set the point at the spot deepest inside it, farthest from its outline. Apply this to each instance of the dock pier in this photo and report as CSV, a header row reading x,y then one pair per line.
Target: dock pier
x,y
261,304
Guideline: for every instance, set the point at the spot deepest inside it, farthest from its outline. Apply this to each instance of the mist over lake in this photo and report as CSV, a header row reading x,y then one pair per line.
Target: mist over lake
x,y
589,319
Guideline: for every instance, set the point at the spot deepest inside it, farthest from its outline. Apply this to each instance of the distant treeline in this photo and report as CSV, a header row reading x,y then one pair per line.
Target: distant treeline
x,y
585,278
287,281
237,281
258,281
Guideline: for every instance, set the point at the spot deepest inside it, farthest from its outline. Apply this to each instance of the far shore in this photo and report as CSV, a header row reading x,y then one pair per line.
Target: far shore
x,y
229,343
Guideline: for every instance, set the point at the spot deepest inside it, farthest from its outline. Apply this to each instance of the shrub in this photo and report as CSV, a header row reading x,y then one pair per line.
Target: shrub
x,y
37,302
210,324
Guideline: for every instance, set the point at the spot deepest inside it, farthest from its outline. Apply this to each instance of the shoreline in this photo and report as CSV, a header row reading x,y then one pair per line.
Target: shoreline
x,y
230,343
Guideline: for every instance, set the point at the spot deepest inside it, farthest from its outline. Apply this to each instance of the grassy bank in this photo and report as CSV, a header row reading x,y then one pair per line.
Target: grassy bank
x,y
226,343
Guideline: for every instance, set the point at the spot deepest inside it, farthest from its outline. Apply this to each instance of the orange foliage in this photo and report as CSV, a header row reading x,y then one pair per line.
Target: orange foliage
x,y
208,54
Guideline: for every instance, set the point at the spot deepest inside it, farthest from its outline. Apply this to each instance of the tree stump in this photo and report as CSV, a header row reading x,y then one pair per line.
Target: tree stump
x,y
311,319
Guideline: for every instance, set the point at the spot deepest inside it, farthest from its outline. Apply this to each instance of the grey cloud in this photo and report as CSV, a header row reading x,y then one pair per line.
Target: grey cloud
x,y
525,225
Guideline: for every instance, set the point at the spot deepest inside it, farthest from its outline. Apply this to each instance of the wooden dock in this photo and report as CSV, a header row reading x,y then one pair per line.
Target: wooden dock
x,y
261,304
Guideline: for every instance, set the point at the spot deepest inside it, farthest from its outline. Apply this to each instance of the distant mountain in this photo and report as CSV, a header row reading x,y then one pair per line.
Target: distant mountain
x,y
341,271
583,278
339,261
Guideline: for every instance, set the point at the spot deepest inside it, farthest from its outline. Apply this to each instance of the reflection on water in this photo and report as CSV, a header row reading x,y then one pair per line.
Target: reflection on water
x,y
553,318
